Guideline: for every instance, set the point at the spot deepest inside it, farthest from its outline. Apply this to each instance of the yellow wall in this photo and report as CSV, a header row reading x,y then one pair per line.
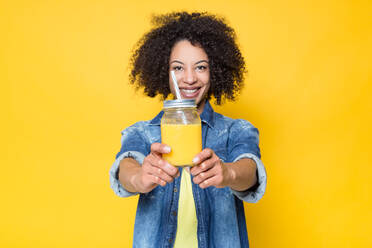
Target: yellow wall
x,y
65,96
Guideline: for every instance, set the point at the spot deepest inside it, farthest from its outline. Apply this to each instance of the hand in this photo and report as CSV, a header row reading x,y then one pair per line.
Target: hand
x,y
155,170
209,170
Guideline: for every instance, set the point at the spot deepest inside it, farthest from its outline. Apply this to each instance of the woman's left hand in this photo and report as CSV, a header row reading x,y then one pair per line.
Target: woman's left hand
x,y
209,170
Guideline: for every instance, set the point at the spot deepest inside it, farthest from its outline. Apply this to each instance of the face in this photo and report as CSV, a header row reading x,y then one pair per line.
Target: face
x,y
191,67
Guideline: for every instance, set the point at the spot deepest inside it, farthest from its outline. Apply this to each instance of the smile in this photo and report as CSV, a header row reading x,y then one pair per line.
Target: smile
x,y
190,93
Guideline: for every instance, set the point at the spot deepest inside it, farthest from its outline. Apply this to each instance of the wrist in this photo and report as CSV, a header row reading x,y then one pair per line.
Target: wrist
x,y
134,183
231,175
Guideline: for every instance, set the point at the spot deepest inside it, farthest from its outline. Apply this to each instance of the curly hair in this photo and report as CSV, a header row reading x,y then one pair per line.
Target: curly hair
x,y
150,60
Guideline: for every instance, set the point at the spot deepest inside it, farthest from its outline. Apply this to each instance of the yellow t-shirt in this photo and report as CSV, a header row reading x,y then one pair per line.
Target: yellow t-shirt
x,y
187,223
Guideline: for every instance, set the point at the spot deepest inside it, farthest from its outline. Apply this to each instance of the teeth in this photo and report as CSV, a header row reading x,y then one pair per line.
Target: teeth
x,y
189,91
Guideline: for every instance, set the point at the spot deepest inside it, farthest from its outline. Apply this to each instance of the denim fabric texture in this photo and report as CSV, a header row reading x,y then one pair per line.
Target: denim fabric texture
x,y
220,212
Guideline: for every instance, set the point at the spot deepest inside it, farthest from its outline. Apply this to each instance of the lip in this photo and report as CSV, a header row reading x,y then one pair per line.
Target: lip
x,y
190,94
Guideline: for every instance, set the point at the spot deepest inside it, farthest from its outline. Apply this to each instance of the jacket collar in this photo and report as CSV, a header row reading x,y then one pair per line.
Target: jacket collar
x,y
207,116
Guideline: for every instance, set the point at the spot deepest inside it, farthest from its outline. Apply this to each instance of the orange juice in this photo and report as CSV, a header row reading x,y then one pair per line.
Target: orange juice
x,y
184,140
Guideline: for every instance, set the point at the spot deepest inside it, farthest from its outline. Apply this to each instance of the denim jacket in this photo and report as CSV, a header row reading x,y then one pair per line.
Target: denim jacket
x,y
220,212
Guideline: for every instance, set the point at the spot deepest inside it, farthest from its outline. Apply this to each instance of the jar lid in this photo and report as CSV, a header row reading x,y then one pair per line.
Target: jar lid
x,y
182,103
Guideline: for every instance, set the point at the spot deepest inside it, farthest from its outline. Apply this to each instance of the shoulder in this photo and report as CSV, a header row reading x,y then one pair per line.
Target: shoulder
x,y
140,127
227,123
144,130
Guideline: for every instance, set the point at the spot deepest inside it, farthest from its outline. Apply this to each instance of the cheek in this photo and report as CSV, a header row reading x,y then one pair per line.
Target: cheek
x,y
206,89
171,89
170,83
206,81
204,78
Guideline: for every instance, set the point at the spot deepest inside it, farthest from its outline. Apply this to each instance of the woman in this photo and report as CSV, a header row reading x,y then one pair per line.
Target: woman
x,y
202,51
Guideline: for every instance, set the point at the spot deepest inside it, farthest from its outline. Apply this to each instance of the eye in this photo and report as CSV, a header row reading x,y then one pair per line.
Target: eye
x,y
201,68
177,68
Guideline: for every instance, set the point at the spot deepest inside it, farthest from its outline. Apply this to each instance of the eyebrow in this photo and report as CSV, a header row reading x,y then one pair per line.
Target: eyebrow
x,y
201,61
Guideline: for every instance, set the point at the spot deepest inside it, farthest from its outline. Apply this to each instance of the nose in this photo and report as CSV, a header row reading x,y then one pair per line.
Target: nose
x,y
189,76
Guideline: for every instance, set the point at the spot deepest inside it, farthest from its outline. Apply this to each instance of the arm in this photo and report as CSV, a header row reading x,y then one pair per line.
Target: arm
x,y
132,169
243,174
128,169
153,172
211,171
246,175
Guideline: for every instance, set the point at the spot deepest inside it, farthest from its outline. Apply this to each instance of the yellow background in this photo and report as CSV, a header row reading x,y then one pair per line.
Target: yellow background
x,y
65,98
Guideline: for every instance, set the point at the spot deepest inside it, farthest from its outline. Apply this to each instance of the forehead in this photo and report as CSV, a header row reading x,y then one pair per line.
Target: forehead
x,y
184,50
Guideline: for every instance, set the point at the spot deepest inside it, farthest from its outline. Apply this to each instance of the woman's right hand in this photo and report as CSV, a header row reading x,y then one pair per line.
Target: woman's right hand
x,y
155,170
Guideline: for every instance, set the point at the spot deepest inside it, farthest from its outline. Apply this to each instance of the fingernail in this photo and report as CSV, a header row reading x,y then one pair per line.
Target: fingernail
x,y
167,149
195,160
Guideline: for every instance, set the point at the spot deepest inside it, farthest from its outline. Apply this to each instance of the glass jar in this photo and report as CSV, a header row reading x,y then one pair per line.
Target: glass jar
x,y
181,130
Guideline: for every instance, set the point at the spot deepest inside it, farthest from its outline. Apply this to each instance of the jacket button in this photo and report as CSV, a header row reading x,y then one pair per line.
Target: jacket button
x,y
175,190
170,240
174,213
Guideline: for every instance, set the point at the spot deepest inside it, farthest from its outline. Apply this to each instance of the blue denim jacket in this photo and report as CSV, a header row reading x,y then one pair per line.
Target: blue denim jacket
x,y
220,212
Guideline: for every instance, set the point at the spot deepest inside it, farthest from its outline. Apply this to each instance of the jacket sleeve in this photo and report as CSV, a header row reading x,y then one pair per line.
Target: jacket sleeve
x,y
133,145
244,143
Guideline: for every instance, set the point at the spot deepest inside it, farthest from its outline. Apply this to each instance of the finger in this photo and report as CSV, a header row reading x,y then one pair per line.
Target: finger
x,y
163,165
203,155
155,171
159,148
201,177
156,180
212,181
204,166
